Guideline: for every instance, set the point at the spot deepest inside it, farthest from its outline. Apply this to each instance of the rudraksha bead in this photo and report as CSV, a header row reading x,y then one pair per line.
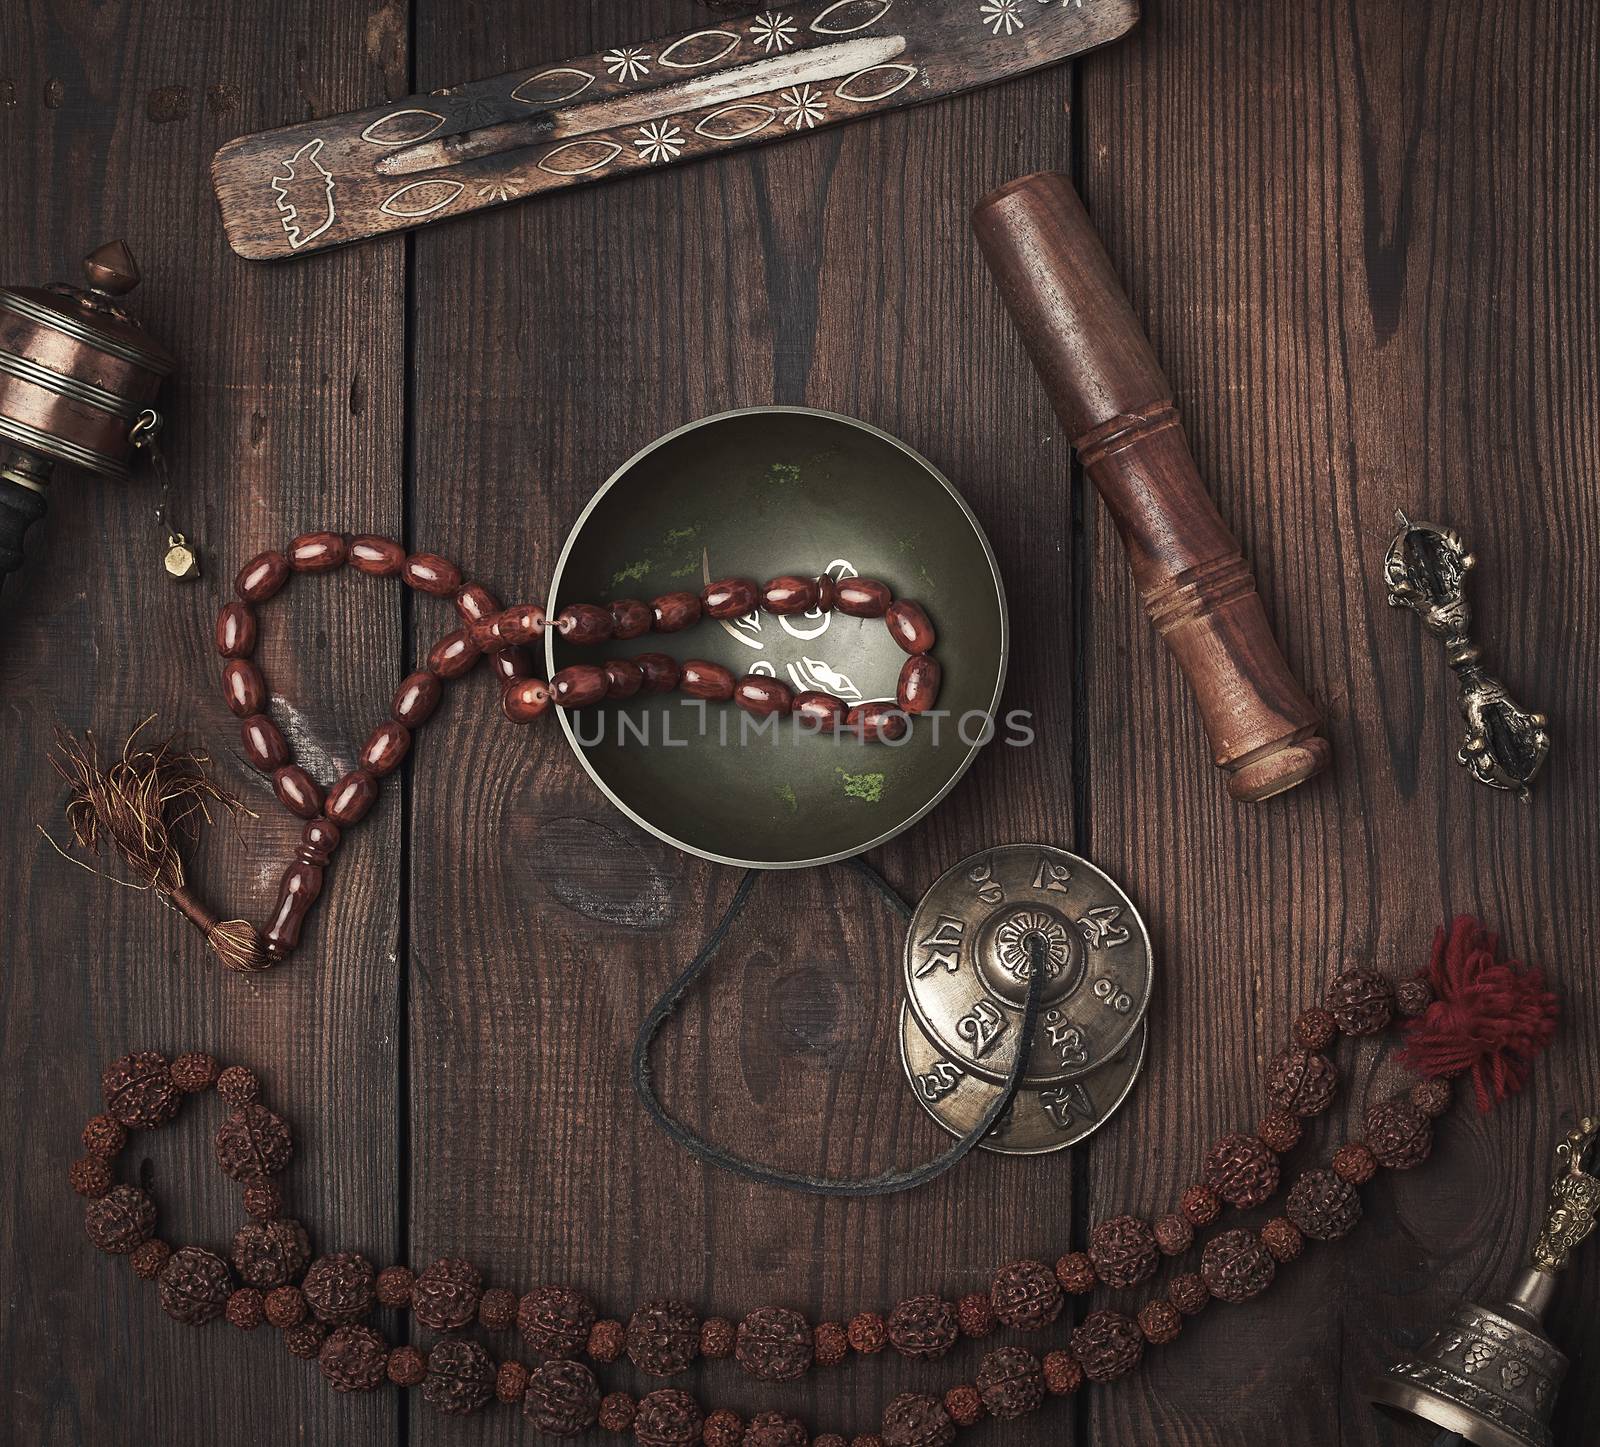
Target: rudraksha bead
x,y
1011,1382
1302,1081
445,1297
90,1177
1174,1235
974,1315
867,1333
964,1405
1189,1293
1236,1266
562,1398
1063,1373
1412,997
244,1309
147,1259
338,1288
269,1253
1200,1205
510,1382
923,1327
1279,1131
1398,1134
1108,1345
1362,1002
1316,1029
497,1309
407,1367
285,1306
1283,1239
1161,1322
717,1338
1242,1171
832,1345
1124,1251
915,1419
663,1337
723,1429
263,1200
608,1340
393,1287
139,1091
1355,1163
617,1411
305,1341
238,1086
776,1344
194,1072
555,1321
460,1378
104,1137
253,1143
1431,1097
1026,1296
1323,1205
668,1418
194,1286
354,1359
120,1220
774,1429
1075,1272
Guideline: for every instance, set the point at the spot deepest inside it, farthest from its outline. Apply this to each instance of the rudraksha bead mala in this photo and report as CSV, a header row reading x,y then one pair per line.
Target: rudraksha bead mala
x,y
502,634
322,1316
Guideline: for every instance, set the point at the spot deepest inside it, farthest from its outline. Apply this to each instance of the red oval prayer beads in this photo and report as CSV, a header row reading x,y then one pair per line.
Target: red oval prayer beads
x,y
909,626
318,552
264,744
675,611
377,557
262,577
243,688
789,595
630,619
236,630
416,699
429,573
730,598
701,679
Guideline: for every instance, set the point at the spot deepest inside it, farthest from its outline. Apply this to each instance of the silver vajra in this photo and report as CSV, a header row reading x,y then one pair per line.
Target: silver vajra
x,y
1426,570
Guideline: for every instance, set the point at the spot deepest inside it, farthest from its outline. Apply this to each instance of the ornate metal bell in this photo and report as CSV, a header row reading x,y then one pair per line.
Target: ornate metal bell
x,y
77,373
1491,1375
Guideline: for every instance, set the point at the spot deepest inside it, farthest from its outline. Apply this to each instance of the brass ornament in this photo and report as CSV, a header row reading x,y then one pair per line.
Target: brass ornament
x,y
1039,1121
1491,1375
988,925
1425,570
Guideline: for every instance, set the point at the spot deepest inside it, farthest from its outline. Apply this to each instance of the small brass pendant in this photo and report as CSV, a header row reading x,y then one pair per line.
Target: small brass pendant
x,y
182,562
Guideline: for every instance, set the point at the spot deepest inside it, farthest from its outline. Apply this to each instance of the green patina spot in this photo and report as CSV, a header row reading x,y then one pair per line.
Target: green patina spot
x,y
673,536
786,793
781,477
686,571
862,786
632,573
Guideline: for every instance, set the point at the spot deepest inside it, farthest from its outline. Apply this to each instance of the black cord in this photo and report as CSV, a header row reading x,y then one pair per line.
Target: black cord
x,y
697,1145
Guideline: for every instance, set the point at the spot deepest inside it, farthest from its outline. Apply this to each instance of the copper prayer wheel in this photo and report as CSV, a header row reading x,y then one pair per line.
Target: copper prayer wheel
x,y
78,380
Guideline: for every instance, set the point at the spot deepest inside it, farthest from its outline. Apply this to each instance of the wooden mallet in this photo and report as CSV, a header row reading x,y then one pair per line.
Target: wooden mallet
x,y
1110,394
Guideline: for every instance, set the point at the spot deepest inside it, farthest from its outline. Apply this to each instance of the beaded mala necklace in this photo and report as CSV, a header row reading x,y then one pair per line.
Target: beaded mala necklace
x,y
1470,1013
125,803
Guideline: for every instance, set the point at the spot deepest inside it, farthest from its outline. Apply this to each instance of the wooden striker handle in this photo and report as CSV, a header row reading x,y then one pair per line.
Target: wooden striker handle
x,y
1109,392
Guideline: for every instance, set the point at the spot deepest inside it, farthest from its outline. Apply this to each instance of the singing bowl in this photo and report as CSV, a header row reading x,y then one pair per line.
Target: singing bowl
x,y
756,494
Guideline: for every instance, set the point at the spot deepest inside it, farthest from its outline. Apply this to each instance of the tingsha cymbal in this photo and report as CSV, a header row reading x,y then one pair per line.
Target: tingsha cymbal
x,y
1038,1121
989,925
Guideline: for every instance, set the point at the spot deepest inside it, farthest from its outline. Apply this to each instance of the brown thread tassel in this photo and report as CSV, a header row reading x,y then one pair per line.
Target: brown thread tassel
x,y
145,805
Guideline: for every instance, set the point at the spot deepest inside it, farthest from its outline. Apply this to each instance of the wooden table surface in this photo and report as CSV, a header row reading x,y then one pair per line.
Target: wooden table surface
x,y
1363,235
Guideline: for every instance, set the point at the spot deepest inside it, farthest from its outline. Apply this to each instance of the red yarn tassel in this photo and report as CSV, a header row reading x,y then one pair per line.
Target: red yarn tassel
x,y
1490,1017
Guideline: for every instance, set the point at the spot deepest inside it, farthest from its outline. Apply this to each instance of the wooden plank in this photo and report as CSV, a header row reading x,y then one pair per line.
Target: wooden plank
x,y
1366,251
287,415
836,272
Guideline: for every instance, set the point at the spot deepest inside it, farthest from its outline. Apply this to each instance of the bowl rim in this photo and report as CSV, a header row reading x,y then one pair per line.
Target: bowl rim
x,y
937,476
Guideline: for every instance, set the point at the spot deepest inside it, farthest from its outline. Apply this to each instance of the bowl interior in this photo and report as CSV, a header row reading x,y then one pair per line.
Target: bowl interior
x,y
757,494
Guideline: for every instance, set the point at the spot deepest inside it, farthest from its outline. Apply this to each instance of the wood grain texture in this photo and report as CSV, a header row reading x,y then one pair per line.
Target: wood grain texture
x,y
286,411
1386,296
1366,251
835,273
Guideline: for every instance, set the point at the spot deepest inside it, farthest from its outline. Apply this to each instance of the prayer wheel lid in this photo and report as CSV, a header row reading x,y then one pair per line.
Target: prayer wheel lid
x,y
92,313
